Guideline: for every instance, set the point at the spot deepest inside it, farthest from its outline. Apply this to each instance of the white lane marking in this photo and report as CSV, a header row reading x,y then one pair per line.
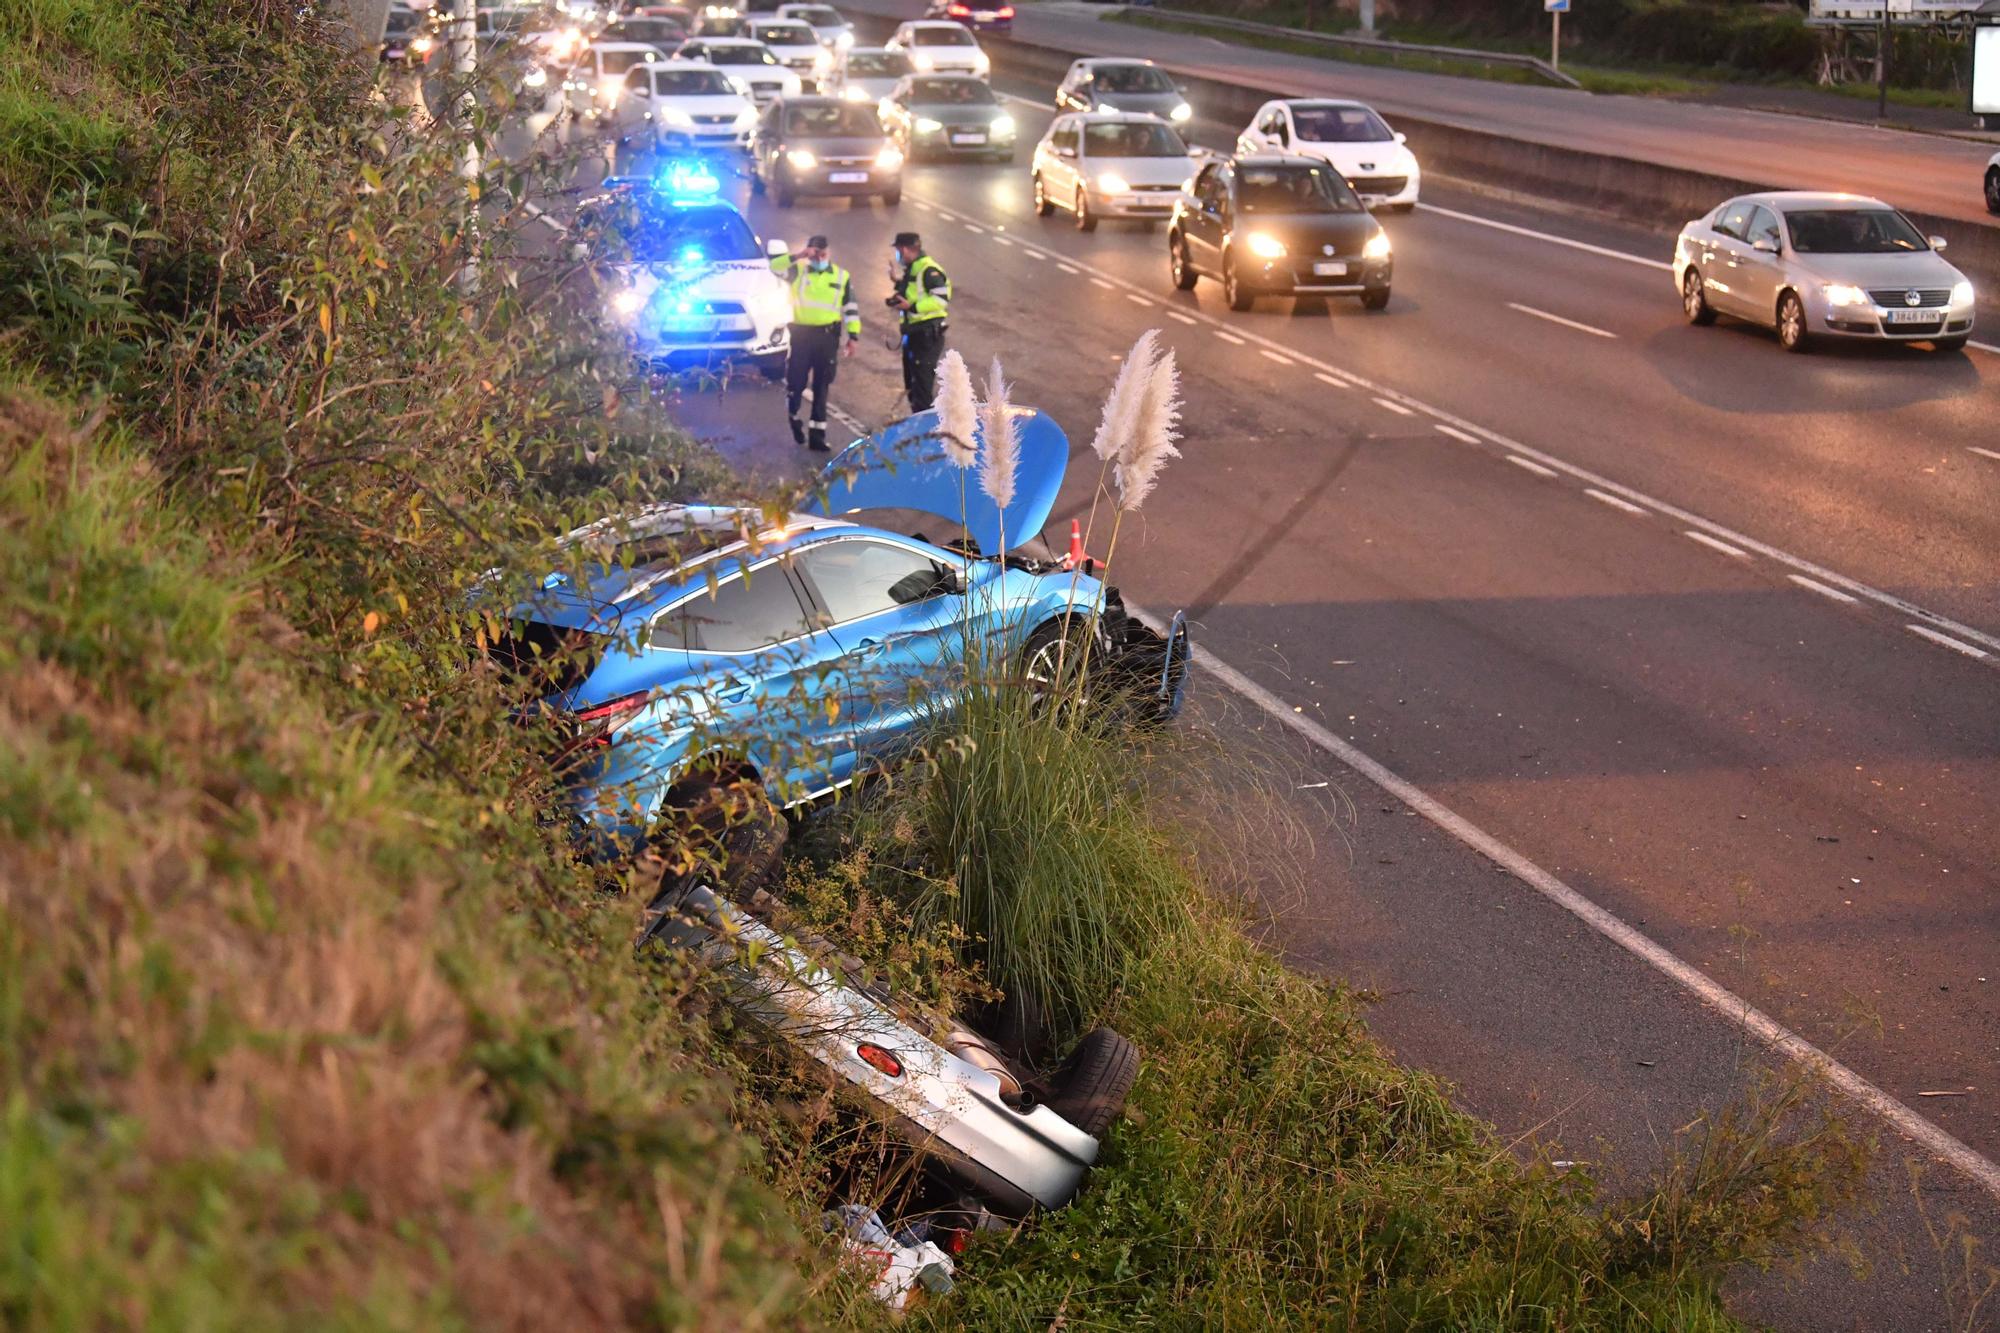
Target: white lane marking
x,y
1954,644
1002,240
1105,283
1987,348
1719,1000
1137,299
975,229
1278,357
1185,319
1716,544
1814,585
1558,319
1067,268
1866,592
921,204
1391,405
1229,338
1983,453
1605,497
1325,378
1530,232
1454,433
1531,465
849,420
1031,252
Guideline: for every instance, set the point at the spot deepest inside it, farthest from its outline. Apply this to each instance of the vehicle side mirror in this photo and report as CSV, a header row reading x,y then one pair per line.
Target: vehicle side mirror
x,y
1939,242
641,91
777,249
950,581
1764,245
1402,137
1283,135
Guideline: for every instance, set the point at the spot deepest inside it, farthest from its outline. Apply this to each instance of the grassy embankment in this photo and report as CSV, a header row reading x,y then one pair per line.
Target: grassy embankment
x,y
305,1015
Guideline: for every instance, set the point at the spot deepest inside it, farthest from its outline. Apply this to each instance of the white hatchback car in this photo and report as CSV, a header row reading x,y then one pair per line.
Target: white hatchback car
x,y
1347,136
835,33
865,74
749,65
597,80
795,44
936,47
1104,164
684,104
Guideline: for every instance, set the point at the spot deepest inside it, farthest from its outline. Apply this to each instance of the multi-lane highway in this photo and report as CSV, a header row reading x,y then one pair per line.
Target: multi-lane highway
x,y
1693,644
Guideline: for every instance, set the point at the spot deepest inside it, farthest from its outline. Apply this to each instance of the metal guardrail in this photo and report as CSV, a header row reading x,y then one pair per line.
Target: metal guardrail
x,y
1380,45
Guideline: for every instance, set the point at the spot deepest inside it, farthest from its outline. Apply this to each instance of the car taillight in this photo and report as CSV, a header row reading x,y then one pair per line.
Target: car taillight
x,y
959,11
885,1061
1005,11
596,726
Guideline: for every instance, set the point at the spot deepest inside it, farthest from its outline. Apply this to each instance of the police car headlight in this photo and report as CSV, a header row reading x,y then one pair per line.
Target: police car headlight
x,y
771,308
854,93
1377,247
1961,294
1265,246
1181,114
1003,126
1113,183
889,159
925,125
626,304
792,85
802,159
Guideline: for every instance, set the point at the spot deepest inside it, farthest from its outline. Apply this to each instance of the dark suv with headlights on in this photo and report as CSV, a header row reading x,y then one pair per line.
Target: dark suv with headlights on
x,y
1278,225
823,145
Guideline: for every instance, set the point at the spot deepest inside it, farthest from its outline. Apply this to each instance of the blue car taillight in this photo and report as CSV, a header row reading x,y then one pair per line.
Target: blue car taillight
x,y
596,726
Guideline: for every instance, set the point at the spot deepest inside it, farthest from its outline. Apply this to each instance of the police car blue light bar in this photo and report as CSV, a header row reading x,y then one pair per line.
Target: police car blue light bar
x,y
688,182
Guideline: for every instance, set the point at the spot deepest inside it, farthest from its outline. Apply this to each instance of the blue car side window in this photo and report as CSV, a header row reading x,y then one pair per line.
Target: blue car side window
x,y
740,614
864,578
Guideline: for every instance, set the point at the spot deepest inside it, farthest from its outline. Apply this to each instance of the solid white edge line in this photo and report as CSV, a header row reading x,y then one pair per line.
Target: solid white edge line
x,y
1716,544
1605,497
1814,585
1983,453
1867,592
1455,433
1585,246
1531,465
1558,319
1721,1001
1278,357
1228,337
1955,645
1391,405
1325,378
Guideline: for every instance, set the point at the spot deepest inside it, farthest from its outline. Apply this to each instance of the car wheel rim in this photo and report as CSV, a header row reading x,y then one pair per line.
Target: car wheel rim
x,y
1789,321
1691,295
1177,258
1993,192
1049,665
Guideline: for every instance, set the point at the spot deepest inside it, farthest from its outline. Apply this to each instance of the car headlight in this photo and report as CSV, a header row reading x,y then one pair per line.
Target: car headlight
x,y
1113,183
792,85
1003,125
1841,293
1377,247
626,304
822,60
746,119
1961,294
772,308
1181,114
802,159
921,61
1264,246
889,158
854,93
842,40
423,46
673,115
925,125
983,65
535,77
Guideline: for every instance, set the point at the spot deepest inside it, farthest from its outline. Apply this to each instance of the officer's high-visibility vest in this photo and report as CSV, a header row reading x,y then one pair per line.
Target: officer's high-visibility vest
x,y
820,299
928,290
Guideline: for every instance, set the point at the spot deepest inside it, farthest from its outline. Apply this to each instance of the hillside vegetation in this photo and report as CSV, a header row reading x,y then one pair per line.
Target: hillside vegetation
x,y
309,1016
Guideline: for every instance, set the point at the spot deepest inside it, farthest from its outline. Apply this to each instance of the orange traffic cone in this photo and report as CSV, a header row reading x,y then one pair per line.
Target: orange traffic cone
x,y
1075,557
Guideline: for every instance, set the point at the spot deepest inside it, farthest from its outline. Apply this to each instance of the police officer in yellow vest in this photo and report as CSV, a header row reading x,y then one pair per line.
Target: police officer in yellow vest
x,y
822,307
923,297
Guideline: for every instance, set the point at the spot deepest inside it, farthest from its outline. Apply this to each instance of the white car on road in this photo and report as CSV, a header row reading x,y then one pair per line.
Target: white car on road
x,y
1817,266
1349,137
865,74
936,47
685,104
1104,164
597,80
795,45
749,64
835,33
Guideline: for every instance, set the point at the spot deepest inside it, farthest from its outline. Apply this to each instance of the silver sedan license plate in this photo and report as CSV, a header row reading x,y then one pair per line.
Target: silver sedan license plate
x,y
1914,316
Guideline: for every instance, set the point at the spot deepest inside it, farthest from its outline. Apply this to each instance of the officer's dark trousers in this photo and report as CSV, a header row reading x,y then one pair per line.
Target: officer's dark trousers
x,y
815,357
923,344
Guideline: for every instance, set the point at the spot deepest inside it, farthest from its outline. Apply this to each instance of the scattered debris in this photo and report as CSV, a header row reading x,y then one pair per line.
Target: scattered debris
x,y
1647,1064
908,1259
1945,1094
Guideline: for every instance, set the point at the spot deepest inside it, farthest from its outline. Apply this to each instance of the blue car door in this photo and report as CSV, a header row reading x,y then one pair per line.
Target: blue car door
x,y
766,680
898,613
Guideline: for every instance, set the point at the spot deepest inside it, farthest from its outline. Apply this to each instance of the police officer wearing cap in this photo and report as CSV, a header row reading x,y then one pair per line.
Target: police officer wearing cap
x,y
823,307
923,297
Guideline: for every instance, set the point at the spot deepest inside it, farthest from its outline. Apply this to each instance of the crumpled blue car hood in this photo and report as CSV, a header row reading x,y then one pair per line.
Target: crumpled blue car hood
x,y
903,466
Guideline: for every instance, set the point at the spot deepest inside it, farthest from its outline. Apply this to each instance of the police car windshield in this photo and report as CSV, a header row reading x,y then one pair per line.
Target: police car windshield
x,y
878,64
832,120
1853,231
1131,79
784,34
1294,190
1339,124
952,36
695,235
740,55
1138,139
692,82
617,62
951,92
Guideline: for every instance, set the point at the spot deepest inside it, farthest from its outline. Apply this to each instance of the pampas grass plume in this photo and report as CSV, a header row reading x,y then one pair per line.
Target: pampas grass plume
x,y
1001,440
1155,427
958,410
1122,406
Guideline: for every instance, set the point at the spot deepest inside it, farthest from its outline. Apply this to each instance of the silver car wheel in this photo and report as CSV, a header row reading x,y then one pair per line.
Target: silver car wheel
x,y
1791,322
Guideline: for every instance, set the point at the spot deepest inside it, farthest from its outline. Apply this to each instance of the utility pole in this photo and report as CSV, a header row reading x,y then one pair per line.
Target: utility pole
x,y
1556,8
1882,46
464,65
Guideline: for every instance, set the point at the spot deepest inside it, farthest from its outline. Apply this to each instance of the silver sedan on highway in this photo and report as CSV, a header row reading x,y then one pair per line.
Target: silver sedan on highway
x,y
1822,265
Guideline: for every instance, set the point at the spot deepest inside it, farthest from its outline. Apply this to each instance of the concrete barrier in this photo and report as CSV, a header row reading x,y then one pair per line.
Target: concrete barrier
x,y
1647,193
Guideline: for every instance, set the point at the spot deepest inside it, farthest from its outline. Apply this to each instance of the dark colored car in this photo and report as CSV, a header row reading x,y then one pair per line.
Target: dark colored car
x,y
948,115
408,38
1278,225
983,16
823,145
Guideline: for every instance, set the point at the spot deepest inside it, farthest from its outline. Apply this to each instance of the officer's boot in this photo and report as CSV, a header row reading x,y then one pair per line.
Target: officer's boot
x,y
819,445
798,425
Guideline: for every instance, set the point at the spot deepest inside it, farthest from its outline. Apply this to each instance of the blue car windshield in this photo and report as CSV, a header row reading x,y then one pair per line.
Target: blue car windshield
x,y
701,234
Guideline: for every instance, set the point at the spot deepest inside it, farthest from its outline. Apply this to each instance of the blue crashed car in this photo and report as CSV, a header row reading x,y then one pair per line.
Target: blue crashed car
x,y
688,646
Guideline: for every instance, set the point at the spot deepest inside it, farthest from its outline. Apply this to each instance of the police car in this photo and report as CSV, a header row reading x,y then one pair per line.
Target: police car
x,y
682,273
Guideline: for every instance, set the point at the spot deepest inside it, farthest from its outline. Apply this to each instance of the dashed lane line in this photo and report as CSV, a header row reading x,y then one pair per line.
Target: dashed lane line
x,y
1814,585
1278,357
1137,299
1715,544
1983,453
1327,379
1530,465
1391,405
1605,497
1105,283
1955,645
1230,338
1179,317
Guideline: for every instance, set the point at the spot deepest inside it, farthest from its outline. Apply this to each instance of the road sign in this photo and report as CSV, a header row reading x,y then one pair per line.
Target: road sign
x,y
1556,6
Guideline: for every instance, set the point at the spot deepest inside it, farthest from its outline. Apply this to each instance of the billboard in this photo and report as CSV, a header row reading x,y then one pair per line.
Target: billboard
x,y
1851,11
1986,71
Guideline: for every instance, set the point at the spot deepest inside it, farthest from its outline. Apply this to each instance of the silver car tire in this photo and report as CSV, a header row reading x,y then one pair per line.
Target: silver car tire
x,y
1993,190
1792,335
1043,204
1694,301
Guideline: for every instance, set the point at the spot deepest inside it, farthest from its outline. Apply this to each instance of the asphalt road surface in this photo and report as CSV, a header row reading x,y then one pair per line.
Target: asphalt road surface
x,y
1924,172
